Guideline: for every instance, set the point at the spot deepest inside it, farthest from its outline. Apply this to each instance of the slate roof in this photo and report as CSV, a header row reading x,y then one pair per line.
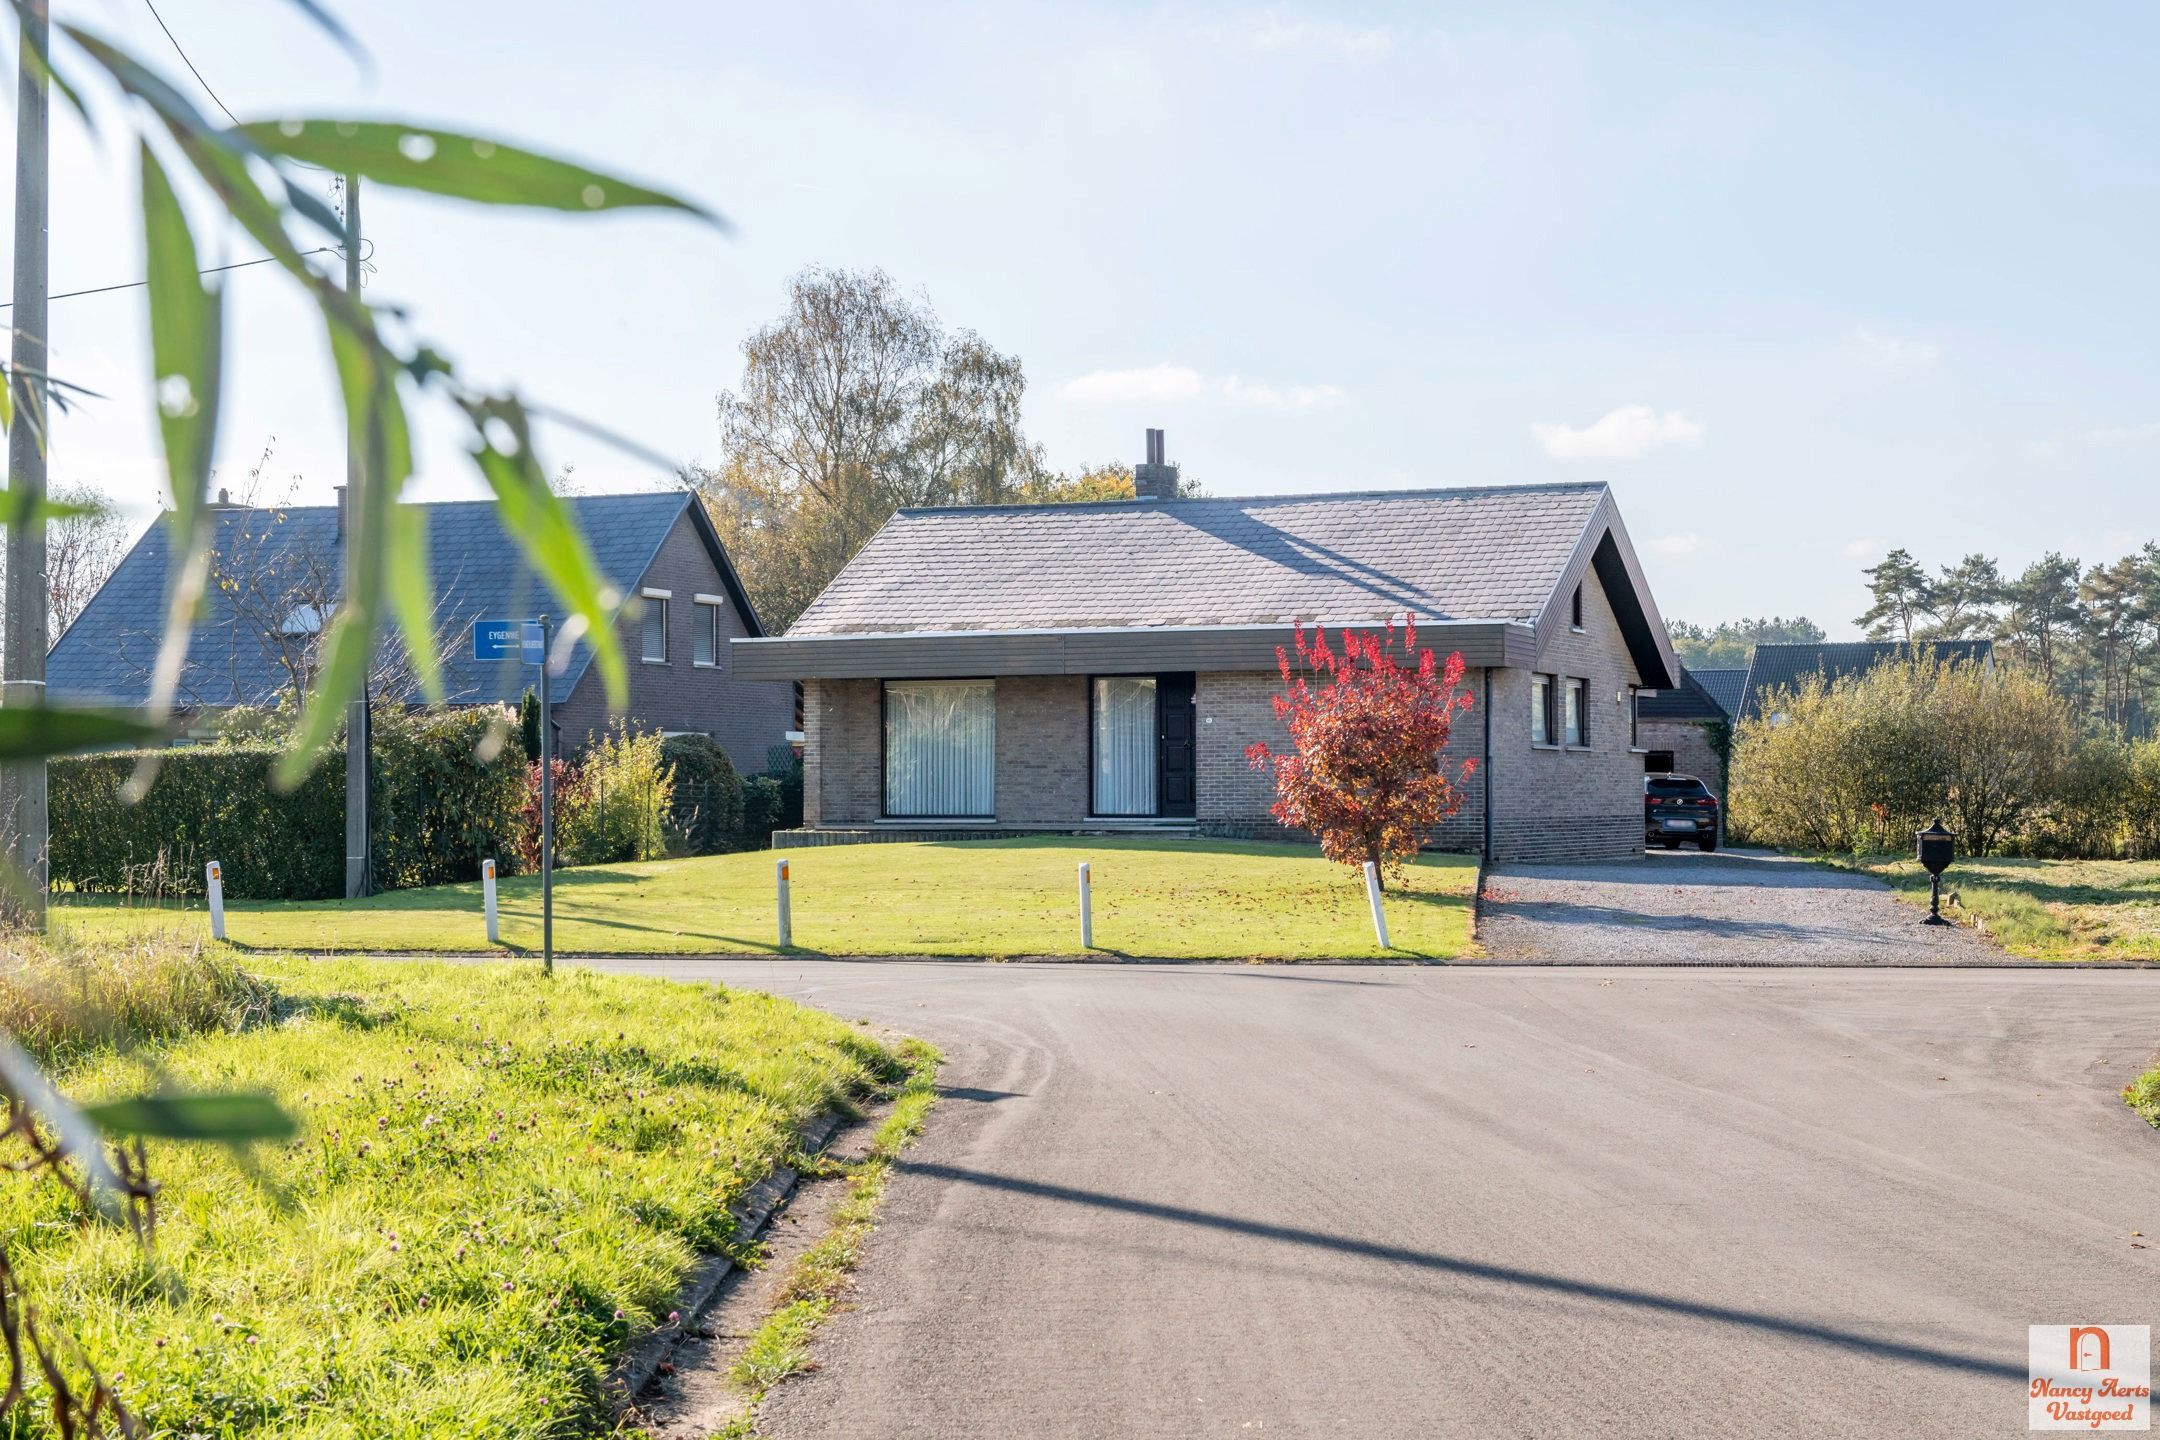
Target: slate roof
x,y
106,655
1724,686
1689,700
1492,553
1784,667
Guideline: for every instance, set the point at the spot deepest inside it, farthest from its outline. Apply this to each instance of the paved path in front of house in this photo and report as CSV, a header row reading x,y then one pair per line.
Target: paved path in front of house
x,y
1729,908
1371,1202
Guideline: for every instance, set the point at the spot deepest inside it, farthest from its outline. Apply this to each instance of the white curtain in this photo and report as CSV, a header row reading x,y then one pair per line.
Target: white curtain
x,y
941,748
1125,745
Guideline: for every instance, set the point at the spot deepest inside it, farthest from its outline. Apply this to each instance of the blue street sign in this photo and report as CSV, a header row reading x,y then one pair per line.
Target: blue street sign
x,y
532,643
500,639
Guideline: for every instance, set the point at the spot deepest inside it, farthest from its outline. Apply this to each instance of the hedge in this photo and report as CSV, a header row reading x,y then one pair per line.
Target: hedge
x,y
447,789
209,802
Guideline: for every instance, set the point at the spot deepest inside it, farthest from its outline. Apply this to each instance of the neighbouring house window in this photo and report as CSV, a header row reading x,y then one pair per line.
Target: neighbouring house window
x,y
1577,719
940,748
1124,744
656,607
1657,762
1577,621
1541,716
707,650
1634,717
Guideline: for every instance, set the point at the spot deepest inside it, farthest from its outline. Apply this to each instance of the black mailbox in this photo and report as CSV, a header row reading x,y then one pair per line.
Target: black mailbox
x,y
1936,848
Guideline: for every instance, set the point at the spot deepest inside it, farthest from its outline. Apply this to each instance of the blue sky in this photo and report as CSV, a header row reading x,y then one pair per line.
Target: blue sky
x,y
1799,285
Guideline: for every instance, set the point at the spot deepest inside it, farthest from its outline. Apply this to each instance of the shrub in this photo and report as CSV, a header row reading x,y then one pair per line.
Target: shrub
x,y
1859,765
707,814
616,807
208,802
761,811
449,789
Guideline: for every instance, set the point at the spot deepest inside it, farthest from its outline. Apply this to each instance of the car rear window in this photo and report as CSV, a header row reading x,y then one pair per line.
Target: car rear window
x,y
1678,787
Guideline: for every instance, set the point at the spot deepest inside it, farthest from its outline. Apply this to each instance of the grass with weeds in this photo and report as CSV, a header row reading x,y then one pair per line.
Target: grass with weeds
x,y
67,997
1168,899
2143,1096
500,1181
821,1274
2043,909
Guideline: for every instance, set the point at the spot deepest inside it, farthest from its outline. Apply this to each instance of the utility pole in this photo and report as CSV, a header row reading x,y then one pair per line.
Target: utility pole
x,y
358,739
22,666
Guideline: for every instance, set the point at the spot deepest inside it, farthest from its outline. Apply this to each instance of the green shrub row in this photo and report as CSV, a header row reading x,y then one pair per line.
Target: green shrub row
x,y
208,802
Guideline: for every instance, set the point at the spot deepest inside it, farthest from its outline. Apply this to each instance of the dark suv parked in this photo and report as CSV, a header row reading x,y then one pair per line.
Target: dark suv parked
x,y
1677,808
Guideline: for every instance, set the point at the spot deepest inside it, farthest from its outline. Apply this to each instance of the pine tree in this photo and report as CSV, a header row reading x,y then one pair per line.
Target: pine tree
x,y
1902,595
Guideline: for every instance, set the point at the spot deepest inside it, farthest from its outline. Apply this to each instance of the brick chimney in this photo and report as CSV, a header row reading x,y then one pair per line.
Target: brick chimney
x,y
1152,479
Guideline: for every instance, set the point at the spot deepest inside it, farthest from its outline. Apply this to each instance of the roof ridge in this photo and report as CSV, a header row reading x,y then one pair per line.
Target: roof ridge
x,y
238,509
1411,493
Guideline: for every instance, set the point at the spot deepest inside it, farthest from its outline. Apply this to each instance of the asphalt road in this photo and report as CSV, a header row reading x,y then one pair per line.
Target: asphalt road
x,y
1210,1200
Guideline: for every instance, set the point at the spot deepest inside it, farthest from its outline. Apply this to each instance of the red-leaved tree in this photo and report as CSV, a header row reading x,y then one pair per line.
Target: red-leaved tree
x,y
1365,773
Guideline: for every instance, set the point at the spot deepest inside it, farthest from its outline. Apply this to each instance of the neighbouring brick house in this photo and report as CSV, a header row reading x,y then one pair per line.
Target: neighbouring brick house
x,y
277,572
1684,729
985,670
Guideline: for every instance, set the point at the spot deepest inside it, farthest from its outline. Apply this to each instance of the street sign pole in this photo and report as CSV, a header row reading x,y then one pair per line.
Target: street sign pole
x,y
547,810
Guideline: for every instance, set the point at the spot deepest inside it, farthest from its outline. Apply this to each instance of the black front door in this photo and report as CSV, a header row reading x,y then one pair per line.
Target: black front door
x,y
1174,744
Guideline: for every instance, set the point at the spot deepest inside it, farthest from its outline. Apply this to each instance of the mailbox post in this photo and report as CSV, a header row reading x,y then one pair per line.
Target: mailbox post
x,y
1936,846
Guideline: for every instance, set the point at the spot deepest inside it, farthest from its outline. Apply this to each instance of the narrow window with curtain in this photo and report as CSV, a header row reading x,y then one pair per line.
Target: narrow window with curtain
x,y
940,749
1124,745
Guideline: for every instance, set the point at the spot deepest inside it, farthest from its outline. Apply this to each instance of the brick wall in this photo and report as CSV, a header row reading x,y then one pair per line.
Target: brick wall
x,y
747,717
1042,749
1236,708
841,752
1572,803
1693,753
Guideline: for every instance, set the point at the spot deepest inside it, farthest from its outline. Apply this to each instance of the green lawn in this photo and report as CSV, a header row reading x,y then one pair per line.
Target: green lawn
x,y
500,1180
2048,909
1176,899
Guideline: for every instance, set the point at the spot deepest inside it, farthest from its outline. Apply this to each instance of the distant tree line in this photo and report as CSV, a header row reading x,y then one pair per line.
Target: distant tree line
x,y
2091,634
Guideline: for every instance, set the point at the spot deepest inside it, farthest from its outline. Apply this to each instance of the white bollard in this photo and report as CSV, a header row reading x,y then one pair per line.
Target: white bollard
x,y
215,876
1087,911
487,889
780,888
1372,896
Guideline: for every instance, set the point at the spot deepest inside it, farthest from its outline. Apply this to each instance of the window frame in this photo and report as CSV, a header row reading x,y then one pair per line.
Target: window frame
x,y
710,621
1575,610
1092,812
884,747
664,599
1543,710
1577,689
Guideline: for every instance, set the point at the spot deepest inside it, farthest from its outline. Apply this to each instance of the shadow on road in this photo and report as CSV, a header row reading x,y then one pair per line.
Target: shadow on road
x,y
1874,1346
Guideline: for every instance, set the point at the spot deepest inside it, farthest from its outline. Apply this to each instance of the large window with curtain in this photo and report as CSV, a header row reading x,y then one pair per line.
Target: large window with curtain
x,y
1124,745
940,749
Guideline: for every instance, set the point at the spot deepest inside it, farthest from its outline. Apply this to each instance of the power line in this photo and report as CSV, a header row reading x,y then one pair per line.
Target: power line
x,y
213,270
215,98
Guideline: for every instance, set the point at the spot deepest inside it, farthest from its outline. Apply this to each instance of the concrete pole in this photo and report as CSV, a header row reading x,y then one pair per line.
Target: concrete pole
x,y
358,740
547,803
22,666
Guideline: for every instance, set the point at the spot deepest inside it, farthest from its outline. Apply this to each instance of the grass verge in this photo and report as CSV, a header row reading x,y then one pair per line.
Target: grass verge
x,y
500,1181
806,1299
2143,1096
2042,909
1171,899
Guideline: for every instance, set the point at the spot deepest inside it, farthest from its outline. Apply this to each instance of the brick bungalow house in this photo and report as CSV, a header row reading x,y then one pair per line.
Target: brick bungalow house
x,y
978,671
277,573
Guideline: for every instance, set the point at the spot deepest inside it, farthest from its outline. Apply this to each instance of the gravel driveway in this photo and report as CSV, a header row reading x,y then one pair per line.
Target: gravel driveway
x,y
1732,908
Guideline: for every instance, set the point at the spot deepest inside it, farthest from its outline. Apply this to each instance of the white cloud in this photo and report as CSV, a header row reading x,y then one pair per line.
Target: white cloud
x,y
1168,384
1889,352
1627,433
2123,434
1864,549
1682,546
1279,31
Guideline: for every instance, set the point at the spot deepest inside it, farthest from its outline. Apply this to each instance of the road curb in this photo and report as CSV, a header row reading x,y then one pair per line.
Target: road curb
x,y
753,1213
2008,962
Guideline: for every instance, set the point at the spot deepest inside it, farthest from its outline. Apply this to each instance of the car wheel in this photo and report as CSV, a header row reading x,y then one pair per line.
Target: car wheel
x,y
1708,843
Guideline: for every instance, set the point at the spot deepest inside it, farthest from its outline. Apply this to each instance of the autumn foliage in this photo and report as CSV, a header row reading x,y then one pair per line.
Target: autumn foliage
x,y
1365,773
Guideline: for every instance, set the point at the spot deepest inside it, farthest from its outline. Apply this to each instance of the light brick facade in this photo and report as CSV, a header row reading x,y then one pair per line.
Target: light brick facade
x,y
1549,802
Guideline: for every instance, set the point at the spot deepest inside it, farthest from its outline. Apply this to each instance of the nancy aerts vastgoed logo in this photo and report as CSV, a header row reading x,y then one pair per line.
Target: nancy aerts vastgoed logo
x,y
2090,1377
